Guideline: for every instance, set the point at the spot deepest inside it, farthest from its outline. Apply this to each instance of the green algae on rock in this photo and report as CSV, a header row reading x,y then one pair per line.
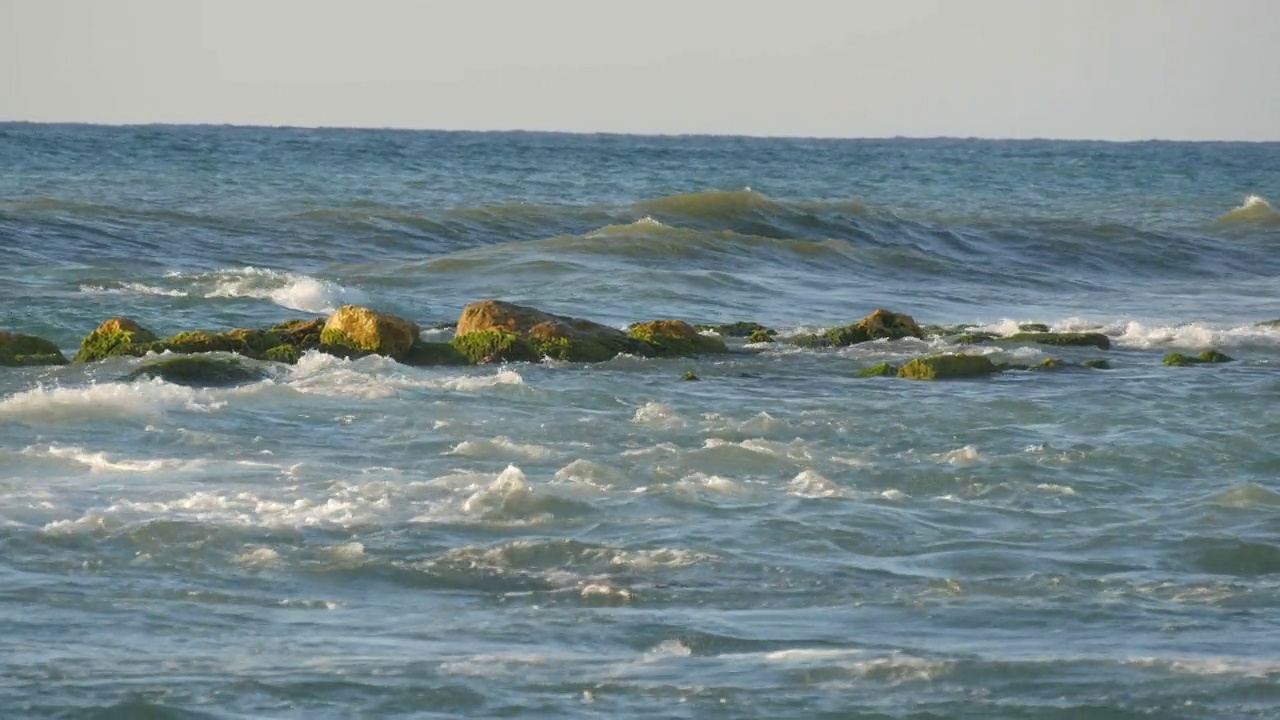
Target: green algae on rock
x,y
975,338
359,330
690,376
740,329
676,338
19,350
883,369
492,330
1208,357
199,371
947,367
879,325
1062,339
761,336
1033,328
428,354
1097,364
113,338
301,334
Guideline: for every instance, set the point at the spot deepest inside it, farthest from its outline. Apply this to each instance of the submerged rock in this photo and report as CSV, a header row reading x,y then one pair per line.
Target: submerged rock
x,y
879,325
947,367
1207,357
426,354
113,338
1064,339
1033,328
676,338
883,369
363,331
740,329
690,376
975,338
18,350
761,336
493,330
199,371
1097,364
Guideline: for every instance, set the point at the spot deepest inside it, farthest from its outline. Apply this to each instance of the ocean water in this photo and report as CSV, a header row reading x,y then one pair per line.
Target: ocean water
x,y
783,539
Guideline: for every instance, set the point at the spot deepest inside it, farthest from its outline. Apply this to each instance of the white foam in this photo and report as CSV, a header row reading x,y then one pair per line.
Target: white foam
x,y
894,494
810,484
666,650
1195,336
143,397
967,455
259,557
499,447
666,558
794,450
466,383
508,486
715,484
133,287
1056,489
289,290
604,591
376,377
99,462
655,414
1244,667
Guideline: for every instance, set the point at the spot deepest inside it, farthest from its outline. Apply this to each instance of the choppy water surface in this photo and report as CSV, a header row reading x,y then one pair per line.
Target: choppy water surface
x,y
781,539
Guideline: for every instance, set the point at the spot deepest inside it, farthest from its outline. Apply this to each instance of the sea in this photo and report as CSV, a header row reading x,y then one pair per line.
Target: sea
x,y
780,539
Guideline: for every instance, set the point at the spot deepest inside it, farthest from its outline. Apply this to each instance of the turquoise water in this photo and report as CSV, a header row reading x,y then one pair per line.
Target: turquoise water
x,y
783,539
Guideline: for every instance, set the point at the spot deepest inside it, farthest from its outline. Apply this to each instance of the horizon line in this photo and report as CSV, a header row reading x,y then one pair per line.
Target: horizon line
x,y
616,133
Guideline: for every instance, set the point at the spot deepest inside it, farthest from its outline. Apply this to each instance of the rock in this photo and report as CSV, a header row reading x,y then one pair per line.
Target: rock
x,y
946,367
883,369
301,334
1270,323
879,325
198,371
1097,364
1033,327
112,338
975,338
1073,339
761,336
18,350
1205,358
740,329
946,330
288,354
690,376
428,354
360,330
493,330
676,338
243,341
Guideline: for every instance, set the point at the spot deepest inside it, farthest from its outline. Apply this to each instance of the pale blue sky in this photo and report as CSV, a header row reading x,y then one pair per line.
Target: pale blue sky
x,y
1113,69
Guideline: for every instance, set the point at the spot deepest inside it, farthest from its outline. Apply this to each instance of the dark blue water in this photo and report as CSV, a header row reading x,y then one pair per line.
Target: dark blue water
x,y
782,539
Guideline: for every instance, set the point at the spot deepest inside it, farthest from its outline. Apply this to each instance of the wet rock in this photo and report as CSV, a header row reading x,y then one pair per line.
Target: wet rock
x,y
1097,364
690,376
883,369
301,334
740,329
428,354
493,330
113,338
760,336
947,367
1064,339
1033,328
676,338
879,325
359,330
1207,357
18,350
199,371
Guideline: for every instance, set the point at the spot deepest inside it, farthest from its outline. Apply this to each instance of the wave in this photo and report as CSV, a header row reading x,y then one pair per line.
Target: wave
x,y
100,462
289,290
1254,210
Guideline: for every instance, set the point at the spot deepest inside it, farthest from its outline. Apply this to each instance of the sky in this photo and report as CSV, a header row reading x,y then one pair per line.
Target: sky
x,y
1098,69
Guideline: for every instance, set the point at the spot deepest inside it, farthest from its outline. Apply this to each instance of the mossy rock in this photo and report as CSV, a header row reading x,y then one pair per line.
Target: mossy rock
x,y
199,371
1208,357
115,337
250,343
810,340
1097,364
761,336
301,334
1269,323
487,346
18,350
690,376
1065,339
740,329
676,338
883,369
506,331
975,338
430,354
1033,328
288,354
947,367
946,330
364,331
879,325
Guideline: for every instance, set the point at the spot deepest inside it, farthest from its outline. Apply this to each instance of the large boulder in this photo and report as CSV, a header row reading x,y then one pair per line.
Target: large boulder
x,y
676,338
114,337
18,350
358,330
494,330
947,367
